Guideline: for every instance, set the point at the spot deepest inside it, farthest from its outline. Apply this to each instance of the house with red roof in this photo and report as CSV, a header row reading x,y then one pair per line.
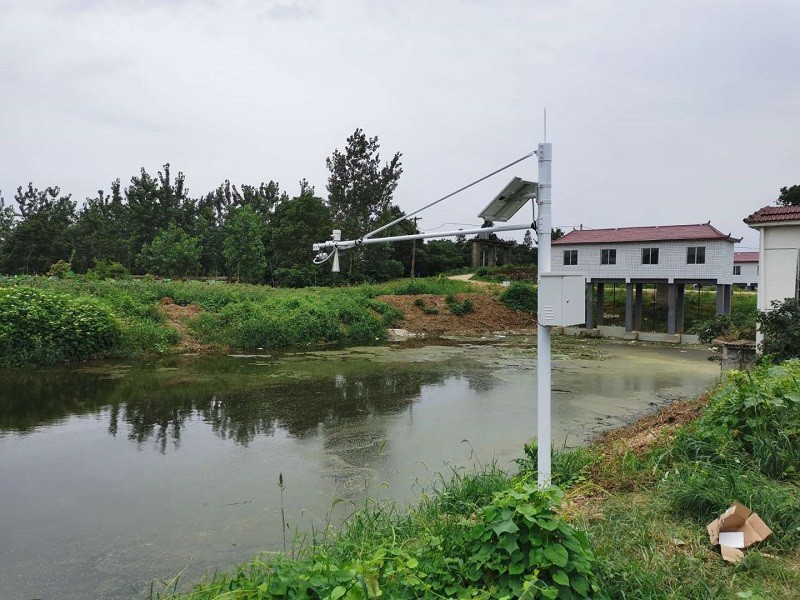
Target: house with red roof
x,y
670,255
779,252
745,270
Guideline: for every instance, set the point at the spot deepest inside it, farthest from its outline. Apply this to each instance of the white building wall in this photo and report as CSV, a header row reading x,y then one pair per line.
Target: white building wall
x,y
671,261
749,274
780,252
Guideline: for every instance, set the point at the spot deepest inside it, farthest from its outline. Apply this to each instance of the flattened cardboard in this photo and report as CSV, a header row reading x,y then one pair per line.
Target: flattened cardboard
x,y
741,520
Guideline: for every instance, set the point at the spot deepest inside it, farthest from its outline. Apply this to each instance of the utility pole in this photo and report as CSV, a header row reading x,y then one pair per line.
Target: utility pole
x,y
414,250
543,231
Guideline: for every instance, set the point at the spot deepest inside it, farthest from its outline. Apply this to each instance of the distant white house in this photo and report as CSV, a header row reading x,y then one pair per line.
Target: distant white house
x,y
779,250
745,270
675,255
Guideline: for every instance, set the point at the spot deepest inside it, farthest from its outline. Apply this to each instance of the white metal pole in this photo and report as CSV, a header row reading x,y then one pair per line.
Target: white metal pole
x,y
543,406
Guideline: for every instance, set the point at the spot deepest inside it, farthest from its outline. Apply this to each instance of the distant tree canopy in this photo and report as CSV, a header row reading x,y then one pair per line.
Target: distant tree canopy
x,y
256,233
789,196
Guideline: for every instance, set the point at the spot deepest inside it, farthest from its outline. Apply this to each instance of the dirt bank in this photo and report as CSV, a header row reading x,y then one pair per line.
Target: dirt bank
x,y
489,315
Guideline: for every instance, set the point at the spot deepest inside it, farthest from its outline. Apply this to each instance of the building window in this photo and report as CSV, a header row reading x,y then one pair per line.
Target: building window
x,y
570,257
696,255
608,256
737,269
649,256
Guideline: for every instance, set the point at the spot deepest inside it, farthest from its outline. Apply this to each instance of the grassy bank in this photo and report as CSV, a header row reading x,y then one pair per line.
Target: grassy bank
x,y
626,520
47,320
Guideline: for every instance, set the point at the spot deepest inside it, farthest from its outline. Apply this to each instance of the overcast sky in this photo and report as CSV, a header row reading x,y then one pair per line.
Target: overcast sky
x,y
659,112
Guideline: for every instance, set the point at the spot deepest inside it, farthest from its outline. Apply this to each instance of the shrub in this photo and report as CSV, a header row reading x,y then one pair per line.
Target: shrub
x,y
522,548
520,296
754,419
389,313
293,278
60,269
107,269
45,326
459,308
781,329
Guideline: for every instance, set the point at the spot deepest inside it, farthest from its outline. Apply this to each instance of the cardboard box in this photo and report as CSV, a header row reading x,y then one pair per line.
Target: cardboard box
x,y
736,529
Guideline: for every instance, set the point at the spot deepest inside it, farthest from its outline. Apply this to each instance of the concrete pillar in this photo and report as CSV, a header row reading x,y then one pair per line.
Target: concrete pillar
x,y
476,254
728,298
629,307
589,305
601,302
720,299
662,293
672,304
638,307
680,309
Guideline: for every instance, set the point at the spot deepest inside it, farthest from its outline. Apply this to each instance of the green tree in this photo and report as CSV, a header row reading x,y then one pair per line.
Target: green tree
x,y
360,187
100,230
6,221
153,201
790,196
172,252
527,240
295,226
242,248
43,235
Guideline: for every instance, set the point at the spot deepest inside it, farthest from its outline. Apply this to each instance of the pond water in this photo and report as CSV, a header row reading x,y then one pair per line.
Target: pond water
x,y
117,474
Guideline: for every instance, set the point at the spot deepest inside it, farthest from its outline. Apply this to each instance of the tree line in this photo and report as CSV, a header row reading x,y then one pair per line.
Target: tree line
x,y
255,233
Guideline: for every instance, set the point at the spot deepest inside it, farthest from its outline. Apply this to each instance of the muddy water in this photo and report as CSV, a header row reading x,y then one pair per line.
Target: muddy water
x,y
115,475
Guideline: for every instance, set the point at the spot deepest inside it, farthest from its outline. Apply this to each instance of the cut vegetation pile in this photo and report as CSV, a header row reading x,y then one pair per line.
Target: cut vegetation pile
x,y
627,519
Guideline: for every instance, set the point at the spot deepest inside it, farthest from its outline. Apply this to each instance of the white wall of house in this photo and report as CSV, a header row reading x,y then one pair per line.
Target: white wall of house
x,y
779,254
671,261
748,275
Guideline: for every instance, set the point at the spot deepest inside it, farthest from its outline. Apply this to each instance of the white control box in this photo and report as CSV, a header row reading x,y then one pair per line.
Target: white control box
x,y
562,299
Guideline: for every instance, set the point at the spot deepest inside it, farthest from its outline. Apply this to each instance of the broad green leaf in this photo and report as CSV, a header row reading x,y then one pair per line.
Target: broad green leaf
x,y
561,578
557,554
506,526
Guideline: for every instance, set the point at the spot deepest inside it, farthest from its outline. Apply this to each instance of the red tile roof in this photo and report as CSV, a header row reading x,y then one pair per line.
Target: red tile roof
x,y
700,231
774,214
745,257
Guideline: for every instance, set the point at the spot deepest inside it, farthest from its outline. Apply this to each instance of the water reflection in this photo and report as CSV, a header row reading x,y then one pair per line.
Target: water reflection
x,y
238,399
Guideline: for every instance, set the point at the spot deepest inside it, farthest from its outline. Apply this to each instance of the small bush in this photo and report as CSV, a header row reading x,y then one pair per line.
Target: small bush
x,y
107,269
520,296
60,269
461,308
391,315
42,326
522,548
419,302
781,329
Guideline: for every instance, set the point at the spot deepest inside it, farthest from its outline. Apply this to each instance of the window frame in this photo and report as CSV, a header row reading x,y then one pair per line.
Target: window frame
x,y
651,253
608,256
572,261
695,255
737,269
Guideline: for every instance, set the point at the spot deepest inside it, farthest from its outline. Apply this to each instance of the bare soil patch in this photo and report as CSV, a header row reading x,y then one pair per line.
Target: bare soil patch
x,y
659,428
177,317
489,315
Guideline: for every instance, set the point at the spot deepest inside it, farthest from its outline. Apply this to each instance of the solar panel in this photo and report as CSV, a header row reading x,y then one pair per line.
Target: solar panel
x,y
509,201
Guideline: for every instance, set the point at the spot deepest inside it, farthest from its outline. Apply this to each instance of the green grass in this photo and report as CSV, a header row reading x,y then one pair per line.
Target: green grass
x,y
236,315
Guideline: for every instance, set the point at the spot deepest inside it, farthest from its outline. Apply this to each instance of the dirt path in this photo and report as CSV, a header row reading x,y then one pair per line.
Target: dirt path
x,y
469,279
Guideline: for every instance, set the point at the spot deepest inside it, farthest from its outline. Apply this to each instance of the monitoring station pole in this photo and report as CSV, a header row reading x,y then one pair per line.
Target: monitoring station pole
x,y
561,296
543,407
